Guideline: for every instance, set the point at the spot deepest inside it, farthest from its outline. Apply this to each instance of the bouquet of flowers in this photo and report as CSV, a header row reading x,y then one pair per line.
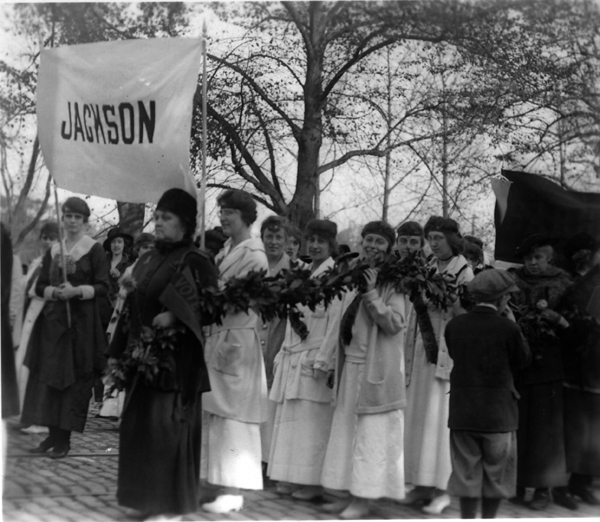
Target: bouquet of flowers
x,y
145,355
535,326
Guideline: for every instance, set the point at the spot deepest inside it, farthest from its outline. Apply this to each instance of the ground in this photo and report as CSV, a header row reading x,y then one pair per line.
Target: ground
x,y
82,487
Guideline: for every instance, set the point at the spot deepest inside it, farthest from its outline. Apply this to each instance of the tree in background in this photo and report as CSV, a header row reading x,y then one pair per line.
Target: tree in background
x,y
279,91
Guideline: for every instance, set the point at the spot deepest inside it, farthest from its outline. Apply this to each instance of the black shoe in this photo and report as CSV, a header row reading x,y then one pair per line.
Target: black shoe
x,y
60,452
44,446
586,495
540,500
519,498
562,497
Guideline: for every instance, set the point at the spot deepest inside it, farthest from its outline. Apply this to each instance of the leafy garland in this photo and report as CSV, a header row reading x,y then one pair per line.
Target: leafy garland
x,y
279,296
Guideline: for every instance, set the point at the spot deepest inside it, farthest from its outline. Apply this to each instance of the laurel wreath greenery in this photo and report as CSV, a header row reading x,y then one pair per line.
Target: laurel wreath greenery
x,y
280,296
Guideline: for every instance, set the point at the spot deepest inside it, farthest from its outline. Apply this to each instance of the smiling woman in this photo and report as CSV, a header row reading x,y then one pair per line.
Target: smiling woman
x,y
231,449
365,448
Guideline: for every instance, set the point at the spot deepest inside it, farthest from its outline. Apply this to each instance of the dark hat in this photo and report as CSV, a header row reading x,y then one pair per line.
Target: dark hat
x,y
76,206
410,228
239,200
490,285
144,239
183,205
441,224
472,251
532,242
579,242
474,240
50,229
322,228
214,238
381,228
114,233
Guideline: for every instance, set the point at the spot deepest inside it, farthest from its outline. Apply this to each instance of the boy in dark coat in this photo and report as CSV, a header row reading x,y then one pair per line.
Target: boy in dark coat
x,y
487,351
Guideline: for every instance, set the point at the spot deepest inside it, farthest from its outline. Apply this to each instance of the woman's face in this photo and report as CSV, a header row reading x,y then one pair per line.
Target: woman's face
x,y
408,245
47,242
318,248
168,226
74,223
274,241
538,261
439,245
117,245
374,248
231,221
292,248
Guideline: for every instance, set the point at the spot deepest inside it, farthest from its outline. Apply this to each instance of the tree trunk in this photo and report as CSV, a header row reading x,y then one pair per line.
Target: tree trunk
x,y
131,217
302,206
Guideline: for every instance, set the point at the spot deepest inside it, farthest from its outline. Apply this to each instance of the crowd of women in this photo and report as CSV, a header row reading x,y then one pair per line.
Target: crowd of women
x,y
350,404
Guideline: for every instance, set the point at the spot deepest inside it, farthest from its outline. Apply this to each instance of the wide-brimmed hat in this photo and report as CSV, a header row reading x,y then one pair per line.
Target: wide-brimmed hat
x,y
113,233
491,285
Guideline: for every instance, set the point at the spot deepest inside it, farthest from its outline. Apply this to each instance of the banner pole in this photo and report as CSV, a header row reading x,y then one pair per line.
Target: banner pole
x,y
204,138
62,250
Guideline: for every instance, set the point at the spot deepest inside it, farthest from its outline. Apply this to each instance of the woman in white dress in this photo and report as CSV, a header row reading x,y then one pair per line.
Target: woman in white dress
x,y
33,308
365,450
273,232
304,410
427,437
237,403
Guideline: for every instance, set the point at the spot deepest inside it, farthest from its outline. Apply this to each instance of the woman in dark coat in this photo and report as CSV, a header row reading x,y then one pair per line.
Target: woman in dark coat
x,y
63,360
540,437
160,431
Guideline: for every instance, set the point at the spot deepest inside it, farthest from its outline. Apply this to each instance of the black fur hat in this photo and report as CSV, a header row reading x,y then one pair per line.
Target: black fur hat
x,y
183,205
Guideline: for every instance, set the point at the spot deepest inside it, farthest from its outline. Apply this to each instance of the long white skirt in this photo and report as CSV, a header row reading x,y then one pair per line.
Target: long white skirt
x,y
266,431
300,436
230,453
427,442
365,453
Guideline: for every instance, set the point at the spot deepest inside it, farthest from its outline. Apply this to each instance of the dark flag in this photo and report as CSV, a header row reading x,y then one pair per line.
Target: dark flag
x,y
529,204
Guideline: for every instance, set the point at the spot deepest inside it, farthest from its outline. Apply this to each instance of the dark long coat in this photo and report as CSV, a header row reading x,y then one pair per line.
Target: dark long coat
x,y
63,361
160,432
541,458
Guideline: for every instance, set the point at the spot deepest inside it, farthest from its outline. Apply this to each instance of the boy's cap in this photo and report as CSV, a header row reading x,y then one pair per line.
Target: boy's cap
x,y
491,285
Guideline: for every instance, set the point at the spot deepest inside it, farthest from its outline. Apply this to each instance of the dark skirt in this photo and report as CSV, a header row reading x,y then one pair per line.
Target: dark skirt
x,y
540,438
582,432
66,409
159,452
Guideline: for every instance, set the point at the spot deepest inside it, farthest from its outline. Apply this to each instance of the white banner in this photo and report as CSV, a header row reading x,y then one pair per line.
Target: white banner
x,y
114,118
